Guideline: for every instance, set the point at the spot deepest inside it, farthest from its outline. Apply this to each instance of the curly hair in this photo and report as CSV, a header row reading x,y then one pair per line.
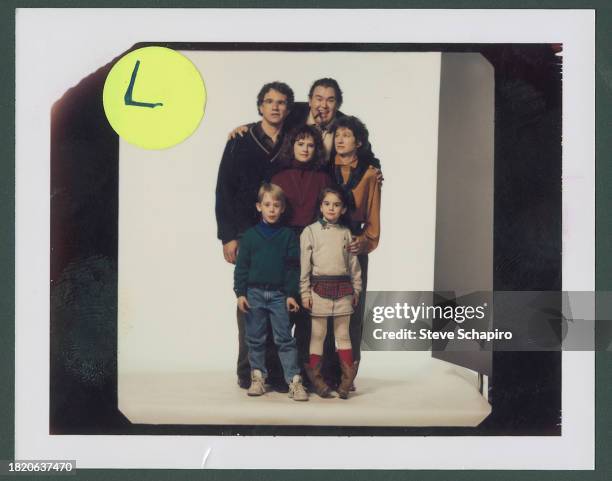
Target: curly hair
x,y
281,87
360,131
287,153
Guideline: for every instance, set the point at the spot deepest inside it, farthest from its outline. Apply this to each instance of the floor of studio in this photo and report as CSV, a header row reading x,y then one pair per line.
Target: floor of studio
x,y
393,389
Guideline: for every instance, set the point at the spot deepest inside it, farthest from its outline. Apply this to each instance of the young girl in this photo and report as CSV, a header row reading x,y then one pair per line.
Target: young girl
x,y
330,284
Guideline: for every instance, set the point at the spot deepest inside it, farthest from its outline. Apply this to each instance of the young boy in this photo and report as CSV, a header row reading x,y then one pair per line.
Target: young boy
x,y
266,285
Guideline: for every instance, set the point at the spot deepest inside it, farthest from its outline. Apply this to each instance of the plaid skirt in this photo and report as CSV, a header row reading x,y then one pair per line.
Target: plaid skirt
x,y
332,287
332,296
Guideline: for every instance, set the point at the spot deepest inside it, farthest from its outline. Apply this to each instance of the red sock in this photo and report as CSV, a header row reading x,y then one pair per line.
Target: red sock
x,y
314,360
346,356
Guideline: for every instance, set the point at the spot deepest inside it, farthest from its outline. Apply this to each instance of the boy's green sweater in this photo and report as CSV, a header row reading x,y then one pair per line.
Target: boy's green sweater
x,y
272,261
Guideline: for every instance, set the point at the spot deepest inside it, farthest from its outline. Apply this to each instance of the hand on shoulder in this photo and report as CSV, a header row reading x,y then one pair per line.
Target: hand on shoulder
x,y
238,132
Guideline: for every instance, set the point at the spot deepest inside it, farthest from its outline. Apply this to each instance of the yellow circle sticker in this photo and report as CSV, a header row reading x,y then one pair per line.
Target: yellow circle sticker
x,y
154,97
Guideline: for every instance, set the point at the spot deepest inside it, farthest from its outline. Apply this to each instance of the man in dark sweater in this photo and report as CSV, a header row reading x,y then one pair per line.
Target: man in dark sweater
x,y
247,162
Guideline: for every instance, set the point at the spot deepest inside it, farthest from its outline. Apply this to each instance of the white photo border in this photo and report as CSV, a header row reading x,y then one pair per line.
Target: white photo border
x,y
55,48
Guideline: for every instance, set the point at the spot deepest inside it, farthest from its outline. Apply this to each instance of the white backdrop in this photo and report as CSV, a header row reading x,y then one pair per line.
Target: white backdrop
x,y
176,305
77,41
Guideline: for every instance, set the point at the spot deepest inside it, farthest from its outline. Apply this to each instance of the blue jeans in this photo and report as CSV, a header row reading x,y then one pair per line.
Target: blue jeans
x,y
270,305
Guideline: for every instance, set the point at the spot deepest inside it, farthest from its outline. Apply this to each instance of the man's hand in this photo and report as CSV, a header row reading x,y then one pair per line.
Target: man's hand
x,y
355,300
357,246
307,303
318,118
243,304
230,250
243,129
379,177
292,305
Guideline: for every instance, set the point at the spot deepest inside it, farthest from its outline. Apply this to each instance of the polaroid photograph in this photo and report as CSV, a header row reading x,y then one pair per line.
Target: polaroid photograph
x,y
238,237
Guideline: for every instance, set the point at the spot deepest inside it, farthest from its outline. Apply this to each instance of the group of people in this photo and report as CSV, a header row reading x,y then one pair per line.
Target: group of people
x,y
298,212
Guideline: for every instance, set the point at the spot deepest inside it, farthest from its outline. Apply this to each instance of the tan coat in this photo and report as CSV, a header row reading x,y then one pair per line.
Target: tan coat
x,y
367,203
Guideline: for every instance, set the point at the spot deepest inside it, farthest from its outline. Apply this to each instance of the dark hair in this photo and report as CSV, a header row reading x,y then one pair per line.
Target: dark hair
x,y
318,157
344,219
360,131
327,82
281,87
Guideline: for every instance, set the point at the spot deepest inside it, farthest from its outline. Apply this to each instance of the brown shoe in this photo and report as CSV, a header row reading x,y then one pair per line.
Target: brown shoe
x,y
353,387
314,375
348,375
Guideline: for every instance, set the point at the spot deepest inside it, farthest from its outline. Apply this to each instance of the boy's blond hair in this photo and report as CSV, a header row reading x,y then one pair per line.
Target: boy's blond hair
x,y
274,190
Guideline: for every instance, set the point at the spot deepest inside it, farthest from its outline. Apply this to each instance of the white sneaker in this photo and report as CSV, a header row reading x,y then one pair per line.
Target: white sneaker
x,y
296,389
257,387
